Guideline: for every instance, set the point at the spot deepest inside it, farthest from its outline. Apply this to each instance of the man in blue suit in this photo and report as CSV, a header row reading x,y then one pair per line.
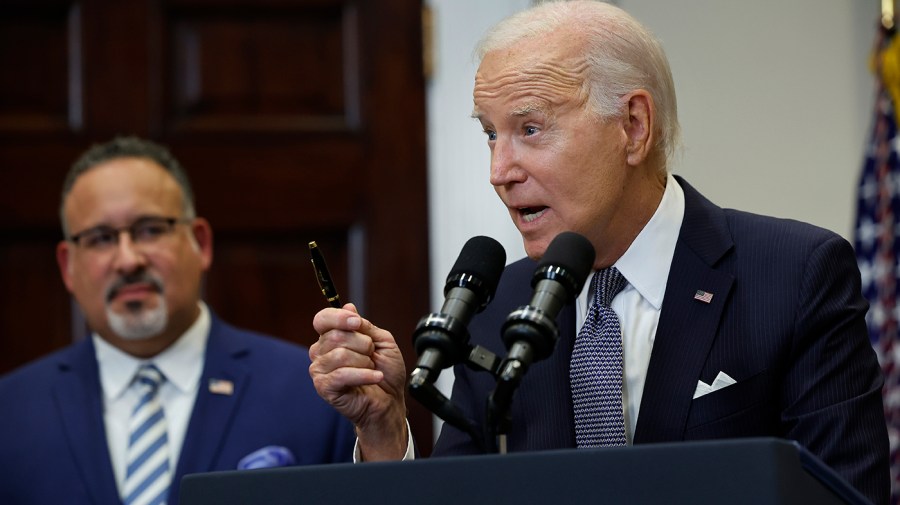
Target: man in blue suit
x,y
730,324
133,256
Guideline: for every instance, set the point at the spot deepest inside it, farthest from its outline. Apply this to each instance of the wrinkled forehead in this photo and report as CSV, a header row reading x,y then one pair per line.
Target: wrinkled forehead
x,y
541,73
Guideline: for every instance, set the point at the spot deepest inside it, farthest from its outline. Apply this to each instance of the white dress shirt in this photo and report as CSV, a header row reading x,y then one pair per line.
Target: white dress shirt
x,y
645,266
181,364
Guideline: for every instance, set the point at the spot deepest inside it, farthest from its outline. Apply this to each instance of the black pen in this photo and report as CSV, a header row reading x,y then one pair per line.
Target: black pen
x,y
322,275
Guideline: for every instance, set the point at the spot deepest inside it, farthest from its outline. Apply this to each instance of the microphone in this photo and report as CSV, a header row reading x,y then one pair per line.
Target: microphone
x,y
441,338
530,332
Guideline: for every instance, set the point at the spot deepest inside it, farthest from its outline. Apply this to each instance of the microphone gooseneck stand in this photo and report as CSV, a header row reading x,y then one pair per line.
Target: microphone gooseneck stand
x,y
530,333
421,387
441,339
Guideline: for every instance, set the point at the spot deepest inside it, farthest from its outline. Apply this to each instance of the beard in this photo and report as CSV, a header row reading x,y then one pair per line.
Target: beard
x,y
138,322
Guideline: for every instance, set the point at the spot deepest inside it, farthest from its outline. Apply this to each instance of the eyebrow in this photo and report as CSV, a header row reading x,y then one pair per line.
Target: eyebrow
x,y
523,110
142,217
528,109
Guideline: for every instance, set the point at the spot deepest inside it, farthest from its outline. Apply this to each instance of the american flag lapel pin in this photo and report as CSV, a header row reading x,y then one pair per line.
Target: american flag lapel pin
x,y
703,296
221,387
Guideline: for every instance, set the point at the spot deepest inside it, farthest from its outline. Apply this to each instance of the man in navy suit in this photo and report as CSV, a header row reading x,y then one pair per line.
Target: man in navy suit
x,y
732,324
133,256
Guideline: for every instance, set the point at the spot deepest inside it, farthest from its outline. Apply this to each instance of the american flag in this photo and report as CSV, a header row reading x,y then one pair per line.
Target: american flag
x,y
221,387
877,242
703,296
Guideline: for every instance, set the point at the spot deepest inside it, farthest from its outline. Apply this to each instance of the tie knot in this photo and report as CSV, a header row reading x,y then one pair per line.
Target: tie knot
x,y
606,284
149,376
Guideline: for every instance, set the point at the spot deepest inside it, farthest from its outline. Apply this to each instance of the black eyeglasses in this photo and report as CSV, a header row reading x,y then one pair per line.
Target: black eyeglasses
x,y
144,231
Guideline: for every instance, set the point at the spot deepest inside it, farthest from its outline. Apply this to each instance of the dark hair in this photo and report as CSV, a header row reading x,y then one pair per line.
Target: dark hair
x,y
127,147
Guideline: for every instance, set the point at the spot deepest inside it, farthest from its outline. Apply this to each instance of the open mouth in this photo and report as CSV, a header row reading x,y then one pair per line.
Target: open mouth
x,y
532,213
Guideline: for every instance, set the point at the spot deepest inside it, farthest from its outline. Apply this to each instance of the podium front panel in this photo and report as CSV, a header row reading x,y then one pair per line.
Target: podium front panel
x,y
737,472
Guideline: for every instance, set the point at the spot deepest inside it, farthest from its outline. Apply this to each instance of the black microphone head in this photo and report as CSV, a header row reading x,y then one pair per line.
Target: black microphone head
x,y
569,256
478,267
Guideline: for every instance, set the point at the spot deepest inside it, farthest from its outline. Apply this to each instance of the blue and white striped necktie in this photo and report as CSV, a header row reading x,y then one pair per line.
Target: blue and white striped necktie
x,y
596,367
147,477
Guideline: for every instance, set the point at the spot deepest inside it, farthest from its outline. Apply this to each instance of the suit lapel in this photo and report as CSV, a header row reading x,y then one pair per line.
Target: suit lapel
x,y
213,411
687,326
80,405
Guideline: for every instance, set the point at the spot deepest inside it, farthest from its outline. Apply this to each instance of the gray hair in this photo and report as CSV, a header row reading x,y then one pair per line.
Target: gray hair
x,y
622,56
128,147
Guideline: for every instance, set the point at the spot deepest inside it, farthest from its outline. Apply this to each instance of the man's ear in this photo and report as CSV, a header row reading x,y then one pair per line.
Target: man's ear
x,y
203,238
63,250
639,124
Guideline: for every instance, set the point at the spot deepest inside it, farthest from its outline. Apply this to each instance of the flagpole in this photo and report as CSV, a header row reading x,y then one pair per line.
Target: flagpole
x,y
887,14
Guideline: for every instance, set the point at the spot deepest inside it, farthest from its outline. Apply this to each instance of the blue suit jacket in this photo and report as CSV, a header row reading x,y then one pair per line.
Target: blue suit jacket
x,y
786,322
53,445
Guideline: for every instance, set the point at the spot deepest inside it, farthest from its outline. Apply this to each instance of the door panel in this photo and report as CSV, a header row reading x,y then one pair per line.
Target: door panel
x,y
297,120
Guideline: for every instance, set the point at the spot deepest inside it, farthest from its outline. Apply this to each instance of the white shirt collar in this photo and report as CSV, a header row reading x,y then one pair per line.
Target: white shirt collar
x,y
647,261
181,362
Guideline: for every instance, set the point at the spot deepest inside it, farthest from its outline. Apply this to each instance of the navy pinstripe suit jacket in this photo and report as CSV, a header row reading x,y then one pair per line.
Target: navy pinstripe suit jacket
x,y
786,322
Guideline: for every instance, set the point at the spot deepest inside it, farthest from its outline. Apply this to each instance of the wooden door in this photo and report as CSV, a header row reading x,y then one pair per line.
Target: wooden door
x,y
297,120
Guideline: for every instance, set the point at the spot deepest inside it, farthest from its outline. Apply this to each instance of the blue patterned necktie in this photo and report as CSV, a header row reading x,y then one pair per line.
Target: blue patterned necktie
x,y
595,373
147,476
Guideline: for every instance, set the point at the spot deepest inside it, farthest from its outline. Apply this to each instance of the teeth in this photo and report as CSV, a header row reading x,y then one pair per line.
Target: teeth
x,y
531,216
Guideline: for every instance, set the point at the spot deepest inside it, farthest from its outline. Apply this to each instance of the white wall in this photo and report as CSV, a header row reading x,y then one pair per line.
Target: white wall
x,y
462,203
774,99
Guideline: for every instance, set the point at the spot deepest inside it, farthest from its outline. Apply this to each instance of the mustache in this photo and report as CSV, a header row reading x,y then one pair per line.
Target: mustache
x,y
135,278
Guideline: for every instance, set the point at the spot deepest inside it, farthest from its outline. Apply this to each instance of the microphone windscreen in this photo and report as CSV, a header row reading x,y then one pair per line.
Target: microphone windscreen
x,y
484,258
572,252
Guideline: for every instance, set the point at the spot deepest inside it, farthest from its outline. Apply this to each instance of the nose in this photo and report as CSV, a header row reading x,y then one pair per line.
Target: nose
x,y
129,257
505,166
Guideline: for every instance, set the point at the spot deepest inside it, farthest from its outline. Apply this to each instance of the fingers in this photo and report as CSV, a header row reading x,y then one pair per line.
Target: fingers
x,y
343,357
335,383
356,366
342,328
346,318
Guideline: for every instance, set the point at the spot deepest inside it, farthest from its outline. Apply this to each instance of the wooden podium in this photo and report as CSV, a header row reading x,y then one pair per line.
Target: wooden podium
x,y
736,472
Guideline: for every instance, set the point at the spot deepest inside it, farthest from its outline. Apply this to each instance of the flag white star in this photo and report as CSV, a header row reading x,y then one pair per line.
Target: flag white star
x,y
866,232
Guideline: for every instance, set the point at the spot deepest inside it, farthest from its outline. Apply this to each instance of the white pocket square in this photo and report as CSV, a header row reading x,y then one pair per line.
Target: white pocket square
x,y
722,380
